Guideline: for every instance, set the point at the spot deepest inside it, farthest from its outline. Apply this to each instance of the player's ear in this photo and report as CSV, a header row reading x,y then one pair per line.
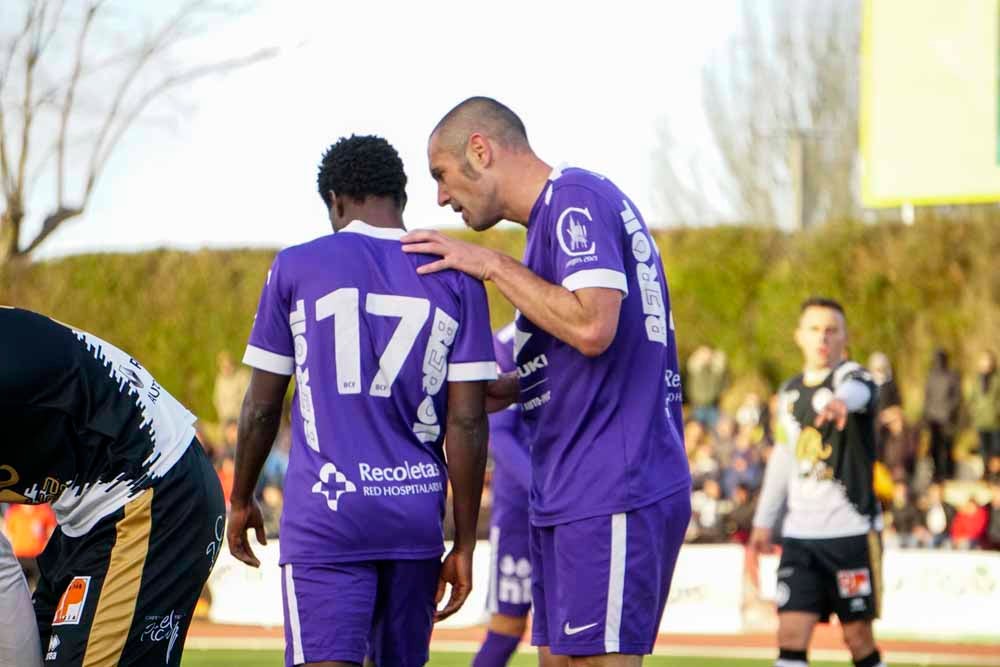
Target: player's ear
x,y
479,151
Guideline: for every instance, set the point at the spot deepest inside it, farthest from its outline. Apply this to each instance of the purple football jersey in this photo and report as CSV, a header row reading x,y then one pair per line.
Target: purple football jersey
x,y
509,436
606,432
372,346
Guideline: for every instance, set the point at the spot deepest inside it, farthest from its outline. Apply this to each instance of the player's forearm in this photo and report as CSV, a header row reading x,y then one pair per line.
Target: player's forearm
x,y
258,428
550,307
466,449
503,391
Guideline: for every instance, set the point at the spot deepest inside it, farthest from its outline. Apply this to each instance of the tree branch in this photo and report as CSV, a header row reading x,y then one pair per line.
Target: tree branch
x,y
163,86
52,223
67,107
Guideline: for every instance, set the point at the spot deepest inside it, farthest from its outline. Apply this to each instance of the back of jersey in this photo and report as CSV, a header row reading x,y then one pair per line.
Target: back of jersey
x,y
372,346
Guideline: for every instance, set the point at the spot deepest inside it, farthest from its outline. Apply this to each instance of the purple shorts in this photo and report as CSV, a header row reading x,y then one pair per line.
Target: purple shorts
x,y
510,568
347,611
601,583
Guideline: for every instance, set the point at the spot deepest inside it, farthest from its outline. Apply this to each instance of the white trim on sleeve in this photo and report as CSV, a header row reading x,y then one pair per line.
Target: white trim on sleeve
x,y
597,278
472,371
268,361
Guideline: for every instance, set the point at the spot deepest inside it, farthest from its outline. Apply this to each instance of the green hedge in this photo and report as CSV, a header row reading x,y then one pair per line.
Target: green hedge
x,y
906,290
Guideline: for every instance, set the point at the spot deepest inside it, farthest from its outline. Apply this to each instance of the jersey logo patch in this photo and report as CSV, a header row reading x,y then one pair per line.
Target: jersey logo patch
x,y
71,604
333,484
573,233
854,583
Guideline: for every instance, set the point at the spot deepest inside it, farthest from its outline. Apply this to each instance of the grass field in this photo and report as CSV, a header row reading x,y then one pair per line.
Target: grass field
x,y
194,658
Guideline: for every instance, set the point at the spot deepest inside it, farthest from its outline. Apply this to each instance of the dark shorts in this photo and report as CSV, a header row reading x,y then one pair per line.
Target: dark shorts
x,y
347,611
600,585
124,592
841,575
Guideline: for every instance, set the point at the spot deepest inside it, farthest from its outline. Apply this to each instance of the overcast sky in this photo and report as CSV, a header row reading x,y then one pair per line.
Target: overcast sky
x,y
591,81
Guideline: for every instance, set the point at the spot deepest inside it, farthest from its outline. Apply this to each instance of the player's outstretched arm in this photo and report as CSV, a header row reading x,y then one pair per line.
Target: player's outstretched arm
x,y
465,444
586,319
260,417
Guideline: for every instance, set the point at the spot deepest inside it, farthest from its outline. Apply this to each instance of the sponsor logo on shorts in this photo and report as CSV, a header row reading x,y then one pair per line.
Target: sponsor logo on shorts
x,y
782,594
53,650
858,604
215,546
163,628
71,604
514,583
569,630
854,583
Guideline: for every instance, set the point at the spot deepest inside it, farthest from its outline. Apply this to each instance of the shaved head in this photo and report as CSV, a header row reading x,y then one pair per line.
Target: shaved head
x,y
485,116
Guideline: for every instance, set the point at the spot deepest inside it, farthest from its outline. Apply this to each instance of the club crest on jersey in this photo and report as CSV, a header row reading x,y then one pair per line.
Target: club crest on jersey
x,y
811,453
573,232
71,604
854,583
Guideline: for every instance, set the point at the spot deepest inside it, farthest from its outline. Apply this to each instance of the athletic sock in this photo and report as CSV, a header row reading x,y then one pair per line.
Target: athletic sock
x,y
496,650
789,658
874,660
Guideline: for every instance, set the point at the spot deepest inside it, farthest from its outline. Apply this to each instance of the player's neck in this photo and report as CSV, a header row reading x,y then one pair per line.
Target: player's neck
x,y
382,212
814,375
525,184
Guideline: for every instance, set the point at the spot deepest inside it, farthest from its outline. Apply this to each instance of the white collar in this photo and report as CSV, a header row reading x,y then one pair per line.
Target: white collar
x,y
558,170
363,228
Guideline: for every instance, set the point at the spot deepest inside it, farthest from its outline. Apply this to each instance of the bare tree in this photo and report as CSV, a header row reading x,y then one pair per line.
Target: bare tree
x,y
74,77
781,103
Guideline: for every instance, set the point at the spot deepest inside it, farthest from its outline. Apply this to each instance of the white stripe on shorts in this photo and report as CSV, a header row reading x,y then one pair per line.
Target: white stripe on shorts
x,y
293,617
491,600
616,586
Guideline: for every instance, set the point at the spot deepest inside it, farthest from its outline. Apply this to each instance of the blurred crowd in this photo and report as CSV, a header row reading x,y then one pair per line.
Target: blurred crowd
x,y
938,476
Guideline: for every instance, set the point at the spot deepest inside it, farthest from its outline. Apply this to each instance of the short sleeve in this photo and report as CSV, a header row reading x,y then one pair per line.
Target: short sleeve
x,y
472,357
587,249
270,347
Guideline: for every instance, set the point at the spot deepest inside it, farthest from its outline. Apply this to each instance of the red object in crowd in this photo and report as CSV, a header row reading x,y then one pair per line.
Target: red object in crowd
x,y
970,525
28,527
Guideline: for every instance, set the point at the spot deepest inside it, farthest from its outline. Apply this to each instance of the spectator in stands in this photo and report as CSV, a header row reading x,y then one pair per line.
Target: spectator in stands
x,y
984,408
938,517
739,520
968,529
899,444
230,385
744,465
725,439
230,430
276,464
907,519
993,527
704,465
708,512
694,435
29,527
271,501
942,401
705,382
889,400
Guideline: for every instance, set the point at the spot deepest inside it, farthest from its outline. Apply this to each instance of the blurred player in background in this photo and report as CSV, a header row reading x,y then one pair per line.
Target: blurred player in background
x,y
509,597
822,465
138,504
385,364
19,643
597,381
